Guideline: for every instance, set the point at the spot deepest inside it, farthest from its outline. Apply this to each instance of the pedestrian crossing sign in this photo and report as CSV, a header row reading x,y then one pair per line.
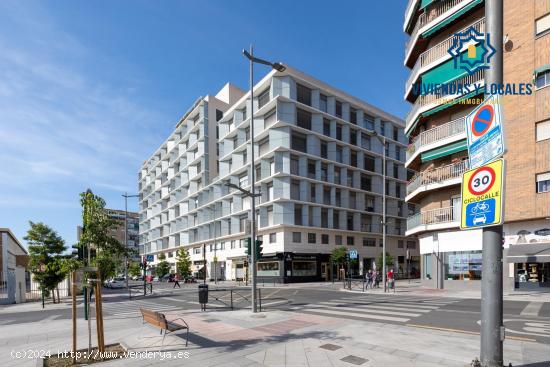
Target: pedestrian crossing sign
x,y
482,192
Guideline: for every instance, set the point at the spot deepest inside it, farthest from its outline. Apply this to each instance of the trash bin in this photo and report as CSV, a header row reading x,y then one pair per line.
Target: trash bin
x,y
203,293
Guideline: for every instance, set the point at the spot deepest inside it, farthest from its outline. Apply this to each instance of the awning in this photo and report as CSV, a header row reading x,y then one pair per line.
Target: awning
x,y
526,253
425,3
446,72
540,70
444,151
451,19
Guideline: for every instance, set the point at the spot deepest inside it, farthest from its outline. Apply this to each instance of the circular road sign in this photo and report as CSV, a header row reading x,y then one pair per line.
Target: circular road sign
x,y
482,180
482,120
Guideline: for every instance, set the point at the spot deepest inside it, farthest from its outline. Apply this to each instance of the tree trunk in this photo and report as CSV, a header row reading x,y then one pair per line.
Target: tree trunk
x,y
58,299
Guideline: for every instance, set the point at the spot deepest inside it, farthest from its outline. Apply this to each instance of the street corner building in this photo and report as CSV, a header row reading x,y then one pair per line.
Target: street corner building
x,y
14,277
438,151
318,170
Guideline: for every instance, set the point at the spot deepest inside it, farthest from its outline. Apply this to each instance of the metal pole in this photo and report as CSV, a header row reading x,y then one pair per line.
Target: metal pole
x,y
253,189
204,261
384,212
215,252
126,237
492,328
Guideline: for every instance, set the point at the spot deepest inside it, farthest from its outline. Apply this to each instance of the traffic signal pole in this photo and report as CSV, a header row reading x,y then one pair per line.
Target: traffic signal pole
x,y
492,328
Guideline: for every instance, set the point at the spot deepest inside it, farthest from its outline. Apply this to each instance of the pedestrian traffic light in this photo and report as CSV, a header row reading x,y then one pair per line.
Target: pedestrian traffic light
x,y
259,248
248,249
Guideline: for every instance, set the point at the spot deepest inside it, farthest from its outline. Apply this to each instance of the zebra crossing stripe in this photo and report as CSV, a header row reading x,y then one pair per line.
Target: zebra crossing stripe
x,y
369,311
359,315
382,303
425,303
384,307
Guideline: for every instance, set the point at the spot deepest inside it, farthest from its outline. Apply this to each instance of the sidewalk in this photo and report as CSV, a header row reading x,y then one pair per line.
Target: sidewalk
x,y
275,338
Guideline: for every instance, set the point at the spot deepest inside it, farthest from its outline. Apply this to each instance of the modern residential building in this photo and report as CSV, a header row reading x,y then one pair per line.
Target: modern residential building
x,y
318,168
13,263
436,125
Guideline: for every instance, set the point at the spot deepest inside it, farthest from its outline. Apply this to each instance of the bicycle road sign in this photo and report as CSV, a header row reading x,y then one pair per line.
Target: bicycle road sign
x,y
485,133
482,195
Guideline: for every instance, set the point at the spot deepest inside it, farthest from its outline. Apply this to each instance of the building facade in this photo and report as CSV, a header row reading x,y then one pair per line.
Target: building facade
x,y
13,263
452,258
132,241
318,170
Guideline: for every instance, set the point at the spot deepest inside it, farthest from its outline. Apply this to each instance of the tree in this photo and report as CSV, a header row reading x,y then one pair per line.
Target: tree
x,y
46,260
183,263
339,255
134,269
97,229
389,261
163,267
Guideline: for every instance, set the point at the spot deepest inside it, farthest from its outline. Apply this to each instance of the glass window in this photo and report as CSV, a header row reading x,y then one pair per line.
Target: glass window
x,y
350,241
268,269
338,132
298,215
263,98
326,127
463,265
323,103
353,115
324,239
272,237
411,245
543,182
542,25
543,130
427,271
299,142
369,122
339,109
303,119
400,244
270,118
369,242
303,94
338,240
243,111
311,238
294,164
296,237
324,150
543,79
232,244
395,133
369,163
304,268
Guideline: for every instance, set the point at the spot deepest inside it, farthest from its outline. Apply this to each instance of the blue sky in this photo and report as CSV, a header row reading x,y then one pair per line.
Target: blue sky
x,y
89,89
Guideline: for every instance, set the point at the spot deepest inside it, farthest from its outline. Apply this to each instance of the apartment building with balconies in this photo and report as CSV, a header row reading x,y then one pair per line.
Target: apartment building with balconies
x,y
451,258
318,170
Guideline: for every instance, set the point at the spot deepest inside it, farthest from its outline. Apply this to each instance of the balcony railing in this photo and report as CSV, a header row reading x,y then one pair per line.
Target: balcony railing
x,y
439,51
434,216
437,175
437,99
430,14
436,134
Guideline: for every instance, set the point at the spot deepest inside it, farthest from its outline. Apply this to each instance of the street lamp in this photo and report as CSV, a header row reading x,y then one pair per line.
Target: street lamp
x,y
382,139
126,196
278,67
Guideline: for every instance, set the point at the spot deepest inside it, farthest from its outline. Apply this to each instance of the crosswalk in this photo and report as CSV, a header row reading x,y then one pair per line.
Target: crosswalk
x,y
131,308
376,308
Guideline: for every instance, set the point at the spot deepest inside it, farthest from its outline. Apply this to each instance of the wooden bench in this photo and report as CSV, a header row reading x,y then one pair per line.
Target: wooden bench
x,y
158,320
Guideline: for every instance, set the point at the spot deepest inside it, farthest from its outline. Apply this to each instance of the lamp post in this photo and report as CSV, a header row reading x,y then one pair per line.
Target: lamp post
x,y
279,67
126,196
382,139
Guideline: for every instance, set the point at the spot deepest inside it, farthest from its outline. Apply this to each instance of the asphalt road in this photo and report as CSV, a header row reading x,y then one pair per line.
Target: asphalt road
x,y
523,320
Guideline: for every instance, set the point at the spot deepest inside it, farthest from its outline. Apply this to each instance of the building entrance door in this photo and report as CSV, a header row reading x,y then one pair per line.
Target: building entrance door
x,y
325,272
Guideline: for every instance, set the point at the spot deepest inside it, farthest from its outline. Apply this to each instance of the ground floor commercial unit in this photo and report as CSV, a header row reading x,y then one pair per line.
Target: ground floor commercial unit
x,y
299,256
452,259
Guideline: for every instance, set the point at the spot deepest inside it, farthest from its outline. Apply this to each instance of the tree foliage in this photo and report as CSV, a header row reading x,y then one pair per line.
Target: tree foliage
x,y
163,267
389,261
183,263
134,269
338,255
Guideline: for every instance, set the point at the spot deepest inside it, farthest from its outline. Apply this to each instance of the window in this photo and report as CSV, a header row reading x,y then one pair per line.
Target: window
x,y
297,215
353,115
243,112
543,182
324,150
196,250
365,141
339,109
323,103
311,169
395,171
400,244
369,163
411,245
353,137
299,142
242,223
171,254
395,133
270,118
324,172
304,268
369,242
296,237
295,190
326,127
369,204
543,79
294,164
324,239
427,266
232,244
270,191
339,157
336,221
397,190
263,98
303,94
235,142
303,119
268,269
338,132
463,265
272,237
382,128
270,216
338,240
350,241
219,115
543,130
353,159
542,25
313,193
311,238
337,175
245,156
369,122
243,180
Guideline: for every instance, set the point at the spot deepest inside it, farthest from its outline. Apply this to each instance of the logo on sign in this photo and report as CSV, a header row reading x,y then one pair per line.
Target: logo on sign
x,y
471,50
353,254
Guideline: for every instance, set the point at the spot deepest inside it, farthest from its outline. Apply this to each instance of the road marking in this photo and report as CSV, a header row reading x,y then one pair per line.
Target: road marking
x,y
175,299
374,302
275,303
355,309
532,309
382,307
358,315
467,332
49,318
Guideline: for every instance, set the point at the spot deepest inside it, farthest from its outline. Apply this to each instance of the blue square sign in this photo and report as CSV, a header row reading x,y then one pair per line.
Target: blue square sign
x,y
480,213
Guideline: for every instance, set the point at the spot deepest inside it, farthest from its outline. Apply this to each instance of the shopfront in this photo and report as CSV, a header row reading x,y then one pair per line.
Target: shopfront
x,y
290,267
531,266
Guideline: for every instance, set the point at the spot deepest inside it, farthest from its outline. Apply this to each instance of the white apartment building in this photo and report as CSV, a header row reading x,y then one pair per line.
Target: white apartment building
x,y
318,169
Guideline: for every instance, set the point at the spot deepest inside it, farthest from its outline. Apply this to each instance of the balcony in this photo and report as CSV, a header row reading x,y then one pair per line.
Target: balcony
x,y
409,13
435,56
437,14
438,136
432,220
426,102
435,179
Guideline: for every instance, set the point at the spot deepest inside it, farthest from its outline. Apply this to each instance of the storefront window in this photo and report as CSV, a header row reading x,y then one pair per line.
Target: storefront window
x,y
268,269
304,268
427,272
463,265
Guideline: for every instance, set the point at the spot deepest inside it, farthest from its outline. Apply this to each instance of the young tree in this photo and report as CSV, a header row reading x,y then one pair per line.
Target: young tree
x,y
163,267
134,269
46,260
389,262
338,257
183,263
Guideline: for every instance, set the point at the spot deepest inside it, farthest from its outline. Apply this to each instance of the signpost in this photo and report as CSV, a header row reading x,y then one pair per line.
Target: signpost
x,y
484,132
352,254
482,194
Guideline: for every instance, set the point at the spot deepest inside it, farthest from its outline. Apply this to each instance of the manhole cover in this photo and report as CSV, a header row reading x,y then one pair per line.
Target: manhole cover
x,y
354,360
330,346
211,320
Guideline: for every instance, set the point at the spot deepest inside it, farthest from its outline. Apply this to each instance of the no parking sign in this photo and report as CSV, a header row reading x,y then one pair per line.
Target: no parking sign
x,y
484,132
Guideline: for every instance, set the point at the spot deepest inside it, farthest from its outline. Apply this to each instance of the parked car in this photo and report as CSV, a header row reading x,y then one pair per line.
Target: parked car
x,y
137,277
118,282
167,278
155,279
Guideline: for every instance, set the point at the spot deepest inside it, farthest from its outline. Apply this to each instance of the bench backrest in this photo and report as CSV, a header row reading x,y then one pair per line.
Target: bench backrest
x,y
154,318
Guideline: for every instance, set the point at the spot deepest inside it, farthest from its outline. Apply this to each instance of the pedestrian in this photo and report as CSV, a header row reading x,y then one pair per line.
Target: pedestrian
x,y
391,280
376,279
369,279
177,281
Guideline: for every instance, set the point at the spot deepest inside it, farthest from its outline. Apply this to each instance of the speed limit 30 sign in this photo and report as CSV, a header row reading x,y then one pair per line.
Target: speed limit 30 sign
x,y
482,195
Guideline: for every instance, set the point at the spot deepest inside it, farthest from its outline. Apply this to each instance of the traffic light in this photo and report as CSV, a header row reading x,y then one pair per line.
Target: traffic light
x,y
248,249
78,252
259,248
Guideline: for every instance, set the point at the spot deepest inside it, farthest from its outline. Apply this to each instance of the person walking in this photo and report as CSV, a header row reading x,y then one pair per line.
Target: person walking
x,y
376,279
177,281
391,280
369,279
